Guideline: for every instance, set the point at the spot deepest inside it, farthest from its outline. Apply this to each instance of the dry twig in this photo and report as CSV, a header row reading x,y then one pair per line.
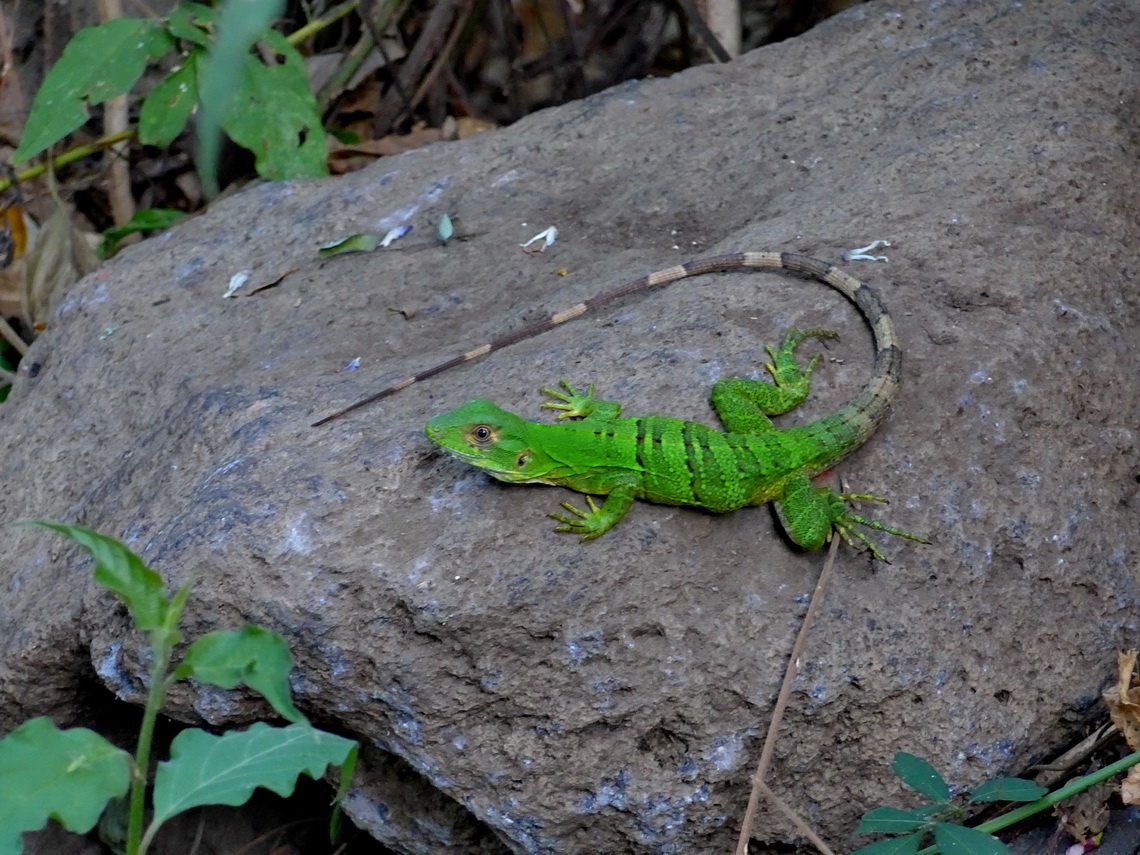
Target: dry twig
x,y
758,785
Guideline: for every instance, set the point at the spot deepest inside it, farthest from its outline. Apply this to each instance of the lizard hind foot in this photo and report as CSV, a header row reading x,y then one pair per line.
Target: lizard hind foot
x,y
846,520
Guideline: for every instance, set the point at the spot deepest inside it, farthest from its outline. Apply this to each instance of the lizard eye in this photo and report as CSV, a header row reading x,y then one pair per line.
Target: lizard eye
x,y
482,435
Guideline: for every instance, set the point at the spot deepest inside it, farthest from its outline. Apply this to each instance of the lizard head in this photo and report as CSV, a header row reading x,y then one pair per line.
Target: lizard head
x,y
487,436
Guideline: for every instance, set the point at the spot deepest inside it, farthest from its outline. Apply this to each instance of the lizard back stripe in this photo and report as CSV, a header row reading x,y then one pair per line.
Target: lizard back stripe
x,y
868,408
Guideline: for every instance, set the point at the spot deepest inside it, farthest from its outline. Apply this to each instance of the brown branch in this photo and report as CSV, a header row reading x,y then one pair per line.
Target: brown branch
x,y
771,737
116,119
431,38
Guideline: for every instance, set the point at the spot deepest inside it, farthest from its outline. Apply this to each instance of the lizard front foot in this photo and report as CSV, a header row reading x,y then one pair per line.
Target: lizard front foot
x,y
574,403
589,524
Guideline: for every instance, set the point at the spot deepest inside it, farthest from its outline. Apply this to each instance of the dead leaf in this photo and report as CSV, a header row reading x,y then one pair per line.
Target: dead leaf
x,y
59,257
1130,787
345,157
273,283
322,66
20,230
1123,701
466,126
1086,814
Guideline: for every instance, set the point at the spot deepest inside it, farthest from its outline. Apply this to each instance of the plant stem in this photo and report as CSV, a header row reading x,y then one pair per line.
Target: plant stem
x,y
70,156
1067,791
162,645
314,27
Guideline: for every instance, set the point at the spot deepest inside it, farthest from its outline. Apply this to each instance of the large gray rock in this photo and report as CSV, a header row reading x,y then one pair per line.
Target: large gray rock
x,y
519,690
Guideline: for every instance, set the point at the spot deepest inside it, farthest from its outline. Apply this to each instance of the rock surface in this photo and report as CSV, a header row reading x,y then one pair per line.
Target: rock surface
x,y
521,691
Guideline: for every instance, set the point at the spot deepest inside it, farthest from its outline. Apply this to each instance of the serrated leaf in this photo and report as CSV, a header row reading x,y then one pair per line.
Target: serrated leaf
x,y
98,64
253,655
192,22
1008,790
892,820
67,775
224,770
959,840
121,571
920,776
167,108
896,846
274,114
353,243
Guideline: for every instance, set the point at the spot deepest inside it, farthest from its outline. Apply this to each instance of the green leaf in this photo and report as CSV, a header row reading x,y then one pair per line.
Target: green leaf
x,y
959,840
347,770
224,770
274,114
253,655
353,243
121,571
167,108
98,64
238,26
920,776
1008,790
891,820
145,220
445,230
896,846
66,775
192,22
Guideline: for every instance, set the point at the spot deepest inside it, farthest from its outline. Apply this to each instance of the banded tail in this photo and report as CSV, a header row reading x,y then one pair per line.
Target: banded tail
x,y
869,407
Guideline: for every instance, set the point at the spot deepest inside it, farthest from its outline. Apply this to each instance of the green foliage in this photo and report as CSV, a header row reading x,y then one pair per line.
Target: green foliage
x,y
252,655
224,770
274,114
122,572
920,776
1007,790
266,107
942,817
68,775
98,64
72,775
354,243
144,220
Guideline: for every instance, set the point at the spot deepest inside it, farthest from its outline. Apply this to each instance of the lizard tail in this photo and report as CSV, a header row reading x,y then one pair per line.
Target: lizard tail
x,y
863,414
867,410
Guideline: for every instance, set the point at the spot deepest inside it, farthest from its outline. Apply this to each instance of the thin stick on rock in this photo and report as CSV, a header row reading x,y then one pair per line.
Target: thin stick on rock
x,y
758,785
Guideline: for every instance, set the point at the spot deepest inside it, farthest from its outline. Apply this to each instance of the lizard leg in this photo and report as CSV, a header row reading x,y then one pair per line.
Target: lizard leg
x,y
575,405
596,521
810,514
744,405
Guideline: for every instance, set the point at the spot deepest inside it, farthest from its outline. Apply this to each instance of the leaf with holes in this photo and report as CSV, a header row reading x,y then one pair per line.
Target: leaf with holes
x,y
274,114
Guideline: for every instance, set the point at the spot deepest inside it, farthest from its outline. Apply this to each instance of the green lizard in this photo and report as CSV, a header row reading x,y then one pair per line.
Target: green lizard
x,y
674,462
